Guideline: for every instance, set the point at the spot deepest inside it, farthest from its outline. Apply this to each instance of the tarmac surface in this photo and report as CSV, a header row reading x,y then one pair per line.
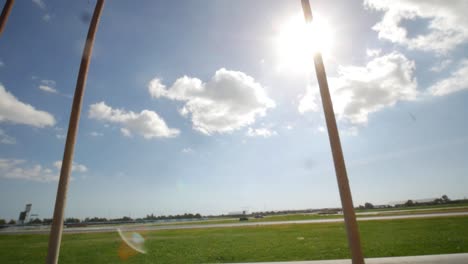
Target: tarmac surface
x,y
427,259
151,227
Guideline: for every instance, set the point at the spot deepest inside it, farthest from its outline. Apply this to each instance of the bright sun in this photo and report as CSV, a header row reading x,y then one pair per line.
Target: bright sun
x,y
297,41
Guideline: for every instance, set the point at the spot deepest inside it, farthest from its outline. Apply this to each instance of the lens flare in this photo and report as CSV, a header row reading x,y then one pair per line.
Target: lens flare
x,y
133,240
297,41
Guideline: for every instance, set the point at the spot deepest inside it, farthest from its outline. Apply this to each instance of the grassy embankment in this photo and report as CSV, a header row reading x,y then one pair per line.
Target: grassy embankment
x,y
257,243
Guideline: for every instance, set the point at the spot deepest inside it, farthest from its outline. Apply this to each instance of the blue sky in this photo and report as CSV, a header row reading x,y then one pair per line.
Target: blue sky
x,y
206,106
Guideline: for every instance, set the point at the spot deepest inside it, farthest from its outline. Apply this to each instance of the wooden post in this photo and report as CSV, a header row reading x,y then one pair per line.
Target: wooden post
x,y
5,14
57,222
352,230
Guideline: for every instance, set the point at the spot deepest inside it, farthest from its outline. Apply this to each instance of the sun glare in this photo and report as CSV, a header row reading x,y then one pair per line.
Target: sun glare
x,y
297,41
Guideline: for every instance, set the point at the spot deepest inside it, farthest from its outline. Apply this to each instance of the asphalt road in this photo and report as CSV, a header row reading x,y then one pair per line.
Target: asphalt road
x,y
150,227
429,259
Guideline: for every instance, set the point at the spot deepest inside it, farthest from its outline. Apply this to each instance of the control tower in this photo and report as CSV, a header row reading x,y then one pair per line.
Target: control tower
x,y
23,217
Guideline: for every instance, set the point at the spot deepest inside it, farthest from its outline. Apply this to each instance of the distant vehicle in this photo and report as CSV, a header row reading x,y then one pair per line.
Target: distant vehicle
x,y
243,218
258,216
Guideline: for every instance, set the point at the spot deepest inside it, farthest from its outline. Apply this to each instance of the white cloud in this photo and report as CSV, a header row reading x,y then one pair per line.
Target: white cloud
x,y
146,123
229,101
16,169
49,82
76,167
308,101
441,65
349,131
48,86
40,4
47,89
187,150
321,129
15,111
361,90
260,132
6,139
19,169
46,17
126,132
447,23
457,81
373,52
96,134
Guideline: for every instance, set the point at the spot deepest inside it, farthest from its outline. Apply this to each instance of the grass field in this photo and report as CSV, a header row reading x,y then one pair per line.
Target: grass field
x,y
242,244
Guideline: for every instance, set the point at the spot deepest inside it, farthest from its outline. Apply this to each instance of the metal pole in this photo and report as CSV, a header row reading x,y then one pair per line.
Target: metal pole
x,y
57,222
5,14
352,231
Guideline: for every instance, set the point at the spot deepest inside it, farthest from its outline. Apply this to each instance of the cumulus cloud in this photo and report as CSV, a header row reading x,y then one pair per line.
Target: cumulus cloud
x,y
361,90
6,139
47,89
441,65
40,4
447,25
373,52
146,123
14,111
308,101
260,132
229,101
187,150
76,167
46,17
96,134
48,86
457,81
21,170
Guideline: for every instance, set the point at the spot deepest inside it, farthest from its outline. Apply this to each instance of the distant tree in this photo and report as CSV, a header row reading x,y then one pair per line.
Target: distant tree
x,y
368,206
47,221
2,221
95,219
409,203
72,220
12,222
438,201
35,221
445,198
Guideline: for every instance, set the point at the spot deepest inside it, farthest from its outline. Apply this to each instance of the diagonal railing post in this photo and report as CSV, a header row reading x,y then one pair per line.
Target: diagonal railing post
x,y
5,14
352,230
57,222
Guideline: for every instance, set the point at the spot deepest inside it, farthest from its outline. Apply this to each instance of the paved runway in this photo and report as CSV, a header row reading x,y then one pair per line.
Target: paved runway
x,y
428,259
151,227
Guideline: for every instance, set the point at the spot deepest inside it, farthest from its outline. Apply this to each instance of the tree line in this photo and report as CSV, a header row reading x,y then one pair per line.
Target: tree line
x,y
444,199
72,220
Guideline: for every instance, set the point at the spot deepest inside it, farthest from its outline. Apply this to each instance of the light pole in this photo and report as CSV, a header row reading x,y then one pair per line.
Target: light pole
x,y
352,231
57,222
5,13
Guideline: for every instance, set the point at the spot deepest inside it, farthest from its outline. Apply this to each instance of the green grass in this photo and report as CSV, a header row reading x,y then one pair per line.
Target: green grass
x,y
242,244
